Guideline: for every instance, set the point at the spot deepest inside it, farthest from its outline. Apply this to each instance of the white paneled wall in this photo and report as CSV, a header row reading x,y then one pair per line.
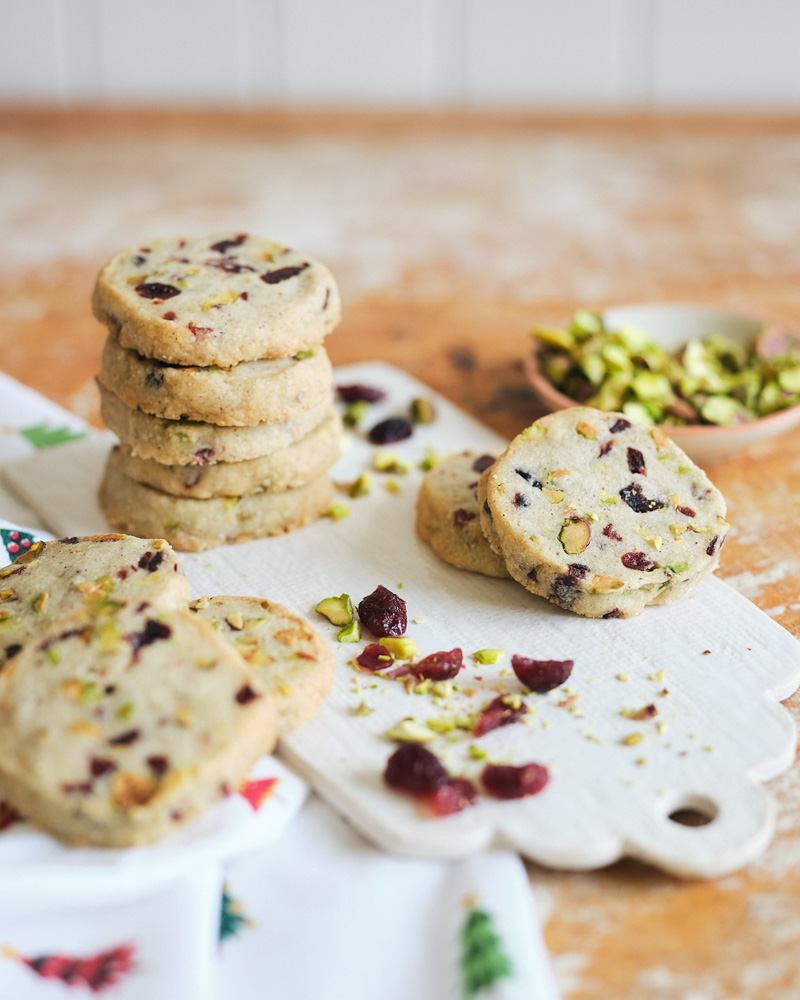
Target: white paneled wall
x,y
404,53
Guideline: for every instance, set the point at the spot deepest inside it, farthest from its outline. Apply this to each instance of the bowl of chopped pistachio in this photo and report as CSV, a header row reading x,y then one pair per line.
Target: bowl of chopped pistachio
x,y
717,382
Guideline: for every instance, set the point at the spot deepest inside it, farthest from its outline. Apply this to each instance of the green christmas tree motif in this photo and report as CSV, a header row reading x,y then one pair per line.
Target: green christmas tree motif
x,y
483,961
15,541
232,919
42,436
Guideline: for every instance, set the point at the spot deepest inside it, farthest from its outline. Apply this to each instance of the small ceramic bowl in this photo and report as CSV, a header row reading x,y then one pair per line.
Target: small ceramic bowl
x,y
671,326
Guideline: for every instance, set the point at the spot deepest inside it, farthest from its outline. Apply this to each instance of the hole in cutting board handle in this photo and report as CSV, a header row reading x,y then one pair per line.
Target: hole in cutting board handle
x,y
695,810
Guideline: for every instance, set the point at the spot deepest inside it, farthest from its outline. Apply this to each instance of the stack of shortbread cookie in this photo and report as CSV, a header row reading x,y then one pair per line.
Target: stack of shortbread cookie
x,y
584,508
124,710
215,379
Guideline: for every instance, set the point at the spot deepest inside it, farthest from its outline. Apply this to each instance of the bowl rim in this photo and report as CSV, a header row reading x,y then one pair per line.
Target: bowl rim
x,y
547,391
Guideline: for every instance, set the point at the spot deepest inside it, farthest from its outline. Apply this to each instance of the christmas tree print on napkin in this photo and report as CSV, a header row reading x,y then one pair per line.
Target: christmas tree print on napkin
x,y
483,961
16,542
98,972
232,919
42,436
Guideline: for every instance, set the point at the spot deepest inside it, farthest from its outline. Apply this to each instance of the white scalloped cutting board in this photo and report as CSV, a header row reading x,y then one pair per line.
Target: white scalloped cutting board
x,y
712,664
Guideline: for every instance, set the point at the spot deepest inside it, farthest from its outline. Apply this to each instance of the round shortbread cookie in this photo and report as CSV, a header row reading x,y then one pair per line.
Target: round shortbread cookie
x,y
192,525
601,516
219,300
287,469
252,392
190,442
117,727
289,660
55,579
448,514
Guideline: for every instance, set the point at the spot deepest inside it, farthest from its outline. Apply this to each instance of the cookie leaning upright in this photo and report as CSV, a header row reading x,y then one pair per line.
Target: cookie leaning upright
x,y
601,516
219,300
448,514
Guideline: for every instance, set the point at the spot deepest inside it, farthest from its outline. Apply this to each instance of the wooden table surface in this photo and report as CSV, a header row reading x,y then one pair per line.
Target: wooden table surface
x,y
450,238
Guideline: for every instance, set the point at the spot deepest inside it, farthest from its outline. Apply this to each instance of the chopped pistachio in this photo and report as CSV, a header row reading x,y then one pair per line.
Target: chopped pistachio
x,y
634,739
441,724
302,355
422,411
391,486
400,647
477,753
364,709
338,610
431,459
489,655
337,511
362,486
355,412
410,731
350,633
40,602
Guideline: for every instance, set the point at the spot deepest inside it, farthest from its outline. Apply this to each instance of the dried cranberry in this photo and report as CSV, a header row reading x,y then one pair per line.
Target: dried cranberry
x,y
520,500
169,315
529,478
391,430
77,788
156,291
152,631
374,657
578,571
605,449
541,675
415,769
613,613
636,462
638,560
383,613
483,463
246,694
609,532
687,511
498,713
283,274
151,561
12,650
636,500
462,517
533,574
125,739
225,245
360,393
504,781
712,546
202,456
440,666
620,425
199,329
99,766
158,764
452,797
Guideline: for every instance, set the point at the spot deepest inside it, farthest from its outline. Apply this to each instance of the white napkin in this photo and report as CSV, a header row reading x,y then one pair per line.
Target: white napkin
x,y
316,913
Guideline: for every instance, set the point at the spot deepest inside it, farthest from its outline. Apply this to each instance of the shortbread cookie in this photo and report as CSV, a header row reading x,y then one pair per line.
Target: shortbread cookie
x,y
287,469
216,301
116,727
252,392
290,662
190,442
55,579
448,514
192,525
601,516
